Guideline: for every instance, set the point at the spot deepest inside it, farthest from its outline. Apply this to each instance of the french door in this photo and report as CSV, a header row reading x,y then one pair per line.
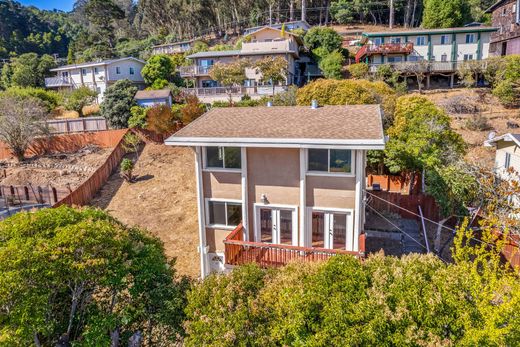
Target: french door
x,y
276,225
331,229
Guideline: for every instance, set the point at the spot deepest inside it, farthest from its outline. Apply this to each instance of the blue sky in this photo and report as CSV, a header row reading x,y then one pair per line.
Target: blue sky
x,y
64,5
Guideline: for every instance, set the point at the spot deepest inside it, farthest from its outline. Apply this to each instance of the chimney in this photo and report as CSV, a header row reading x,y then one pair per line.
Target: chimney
x,y
314,104
269,103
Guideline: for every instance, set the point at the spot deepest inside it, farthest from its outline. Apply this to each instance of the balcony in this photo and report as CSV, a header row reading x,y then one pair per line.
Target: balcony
x,y
426,67
240,252
194,70
238,90
57,82
384,49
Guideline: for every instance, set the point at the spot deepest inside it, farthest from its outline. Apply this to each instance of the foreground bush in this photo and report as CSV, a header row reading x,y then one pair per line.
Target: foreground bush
x,y
385,301
79,277
349,92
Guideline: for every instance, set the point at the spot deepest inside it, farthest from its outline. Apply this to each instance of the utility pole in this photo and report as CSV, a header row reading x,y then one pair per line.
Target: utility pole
x,y
304,9
391,19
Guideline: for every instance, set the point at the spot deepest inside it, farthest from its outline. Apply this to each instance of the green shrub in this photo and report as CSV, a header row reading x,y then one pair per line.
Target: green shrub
x,y
383,301
349,92
52,257
117,102
507,93
138,117
358,71
49,98
332,65
127,168
324,37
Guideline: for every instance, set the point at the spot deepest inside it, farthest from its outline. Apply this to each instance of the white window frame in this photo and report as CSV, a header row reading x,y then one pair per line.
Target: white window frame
x,y
447,41
472,38
467,57
218,169
221,226
118,70
275,209
422,39
507,160
328,212
352,172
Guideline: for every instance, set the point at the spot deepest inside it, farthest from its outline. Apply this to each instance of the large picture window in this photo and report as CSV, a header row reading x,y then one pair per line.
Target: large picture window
x,y
330,160
224,213
223,157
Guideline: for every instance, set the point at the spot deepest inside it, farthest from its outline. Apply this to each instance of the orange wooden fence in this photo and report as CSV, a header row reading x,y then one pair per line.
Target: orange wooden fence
x,y
68,143
391,202
240,252
394,183
86,191
511,251
17,195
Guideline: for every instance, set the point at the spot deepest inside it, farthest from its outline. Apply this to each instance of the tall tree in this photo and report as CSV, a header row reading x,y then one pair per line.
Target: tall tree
x,y
446,13
102,15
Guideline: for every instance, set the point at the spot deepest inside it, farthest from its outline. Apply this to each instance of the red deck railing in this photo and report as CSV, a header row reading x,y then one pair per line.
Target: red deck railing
x,y
240,252
384,49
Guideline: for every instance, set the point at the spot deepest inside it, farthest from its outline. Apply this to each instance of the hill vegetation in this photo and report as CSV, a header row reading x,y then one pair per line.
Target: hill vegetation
x,y
110,28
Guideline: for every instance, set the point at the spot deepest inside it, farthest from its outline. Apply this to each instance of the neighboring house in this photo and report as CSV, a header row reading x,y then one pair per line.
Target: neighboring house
x,y
262,43
505,15
507,153
439,50
276,184
173,48
97,75
298,24
149,98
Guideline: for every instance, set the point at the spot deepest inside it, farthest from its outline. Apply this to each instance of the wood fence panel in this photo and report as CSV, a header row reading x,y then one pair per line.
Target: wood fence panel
x,y
86,191
395,203
73,125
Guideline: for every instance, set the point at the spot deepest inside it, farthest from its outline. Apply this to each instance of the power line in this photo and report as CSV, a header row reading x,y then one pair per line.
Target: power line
x,y
429,220
402,231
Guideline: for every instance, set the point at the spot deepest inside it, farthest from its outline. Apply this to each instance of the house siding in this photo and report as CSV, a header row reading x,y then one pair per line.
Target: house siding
x,y
504,18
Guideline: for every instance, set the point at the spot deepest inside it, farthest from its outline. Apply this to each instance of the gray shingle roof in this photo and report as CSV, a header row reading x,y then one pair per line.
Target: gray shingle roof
x,y
298,125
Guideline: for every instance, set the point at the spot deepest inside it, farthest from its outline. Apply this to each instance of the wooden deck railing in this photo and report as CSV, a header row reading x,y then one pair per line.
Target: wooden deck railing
x,y
240,252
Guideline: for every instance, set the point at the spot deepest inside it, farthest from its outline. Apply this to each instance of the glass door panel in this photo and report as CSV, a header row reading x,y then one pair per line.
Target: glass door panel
x,y
318,229
266,225
339,230
286,227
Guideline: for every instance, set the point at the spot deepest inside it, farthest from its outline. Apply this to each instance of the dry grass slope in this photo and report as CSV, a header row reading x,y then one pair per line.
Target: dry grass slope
x,y
163,201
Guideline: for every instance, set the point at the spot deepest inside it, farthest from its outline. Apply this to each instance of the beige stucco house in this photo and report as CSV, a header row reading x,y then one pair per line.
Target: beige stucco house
x,y
265,42
507,153
280,183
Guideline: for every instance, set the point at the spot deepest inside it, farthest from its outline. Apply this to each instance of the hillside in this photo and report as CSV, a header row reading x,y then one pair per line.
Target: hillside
x,y
163,201
495,114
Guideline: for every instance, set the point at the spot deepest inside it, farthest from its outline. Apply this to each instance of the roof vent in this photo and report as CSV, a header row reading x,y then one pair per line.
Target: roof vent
x,y
314,104
269,103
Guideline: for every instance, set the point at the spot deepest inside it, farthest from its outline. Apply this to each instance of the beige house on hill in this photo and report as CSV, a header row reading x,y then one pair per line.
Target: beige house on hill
x,y
507,153
276,184
265,42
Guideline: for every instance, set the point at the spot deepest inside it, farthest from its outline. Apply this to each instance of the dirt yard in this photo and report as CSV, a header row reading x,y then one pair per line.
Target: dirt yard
x,y
497,118
163,201
58,170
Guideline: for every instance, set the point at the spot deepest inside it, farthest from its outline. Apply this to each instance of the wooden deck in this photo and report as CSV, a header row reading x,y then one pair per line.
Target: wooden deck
x,y
240,252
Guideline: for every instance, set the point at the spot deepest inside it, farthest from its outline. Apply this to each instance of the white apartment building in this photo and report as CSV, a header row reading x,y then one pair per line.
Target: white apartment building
x,y
97,75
